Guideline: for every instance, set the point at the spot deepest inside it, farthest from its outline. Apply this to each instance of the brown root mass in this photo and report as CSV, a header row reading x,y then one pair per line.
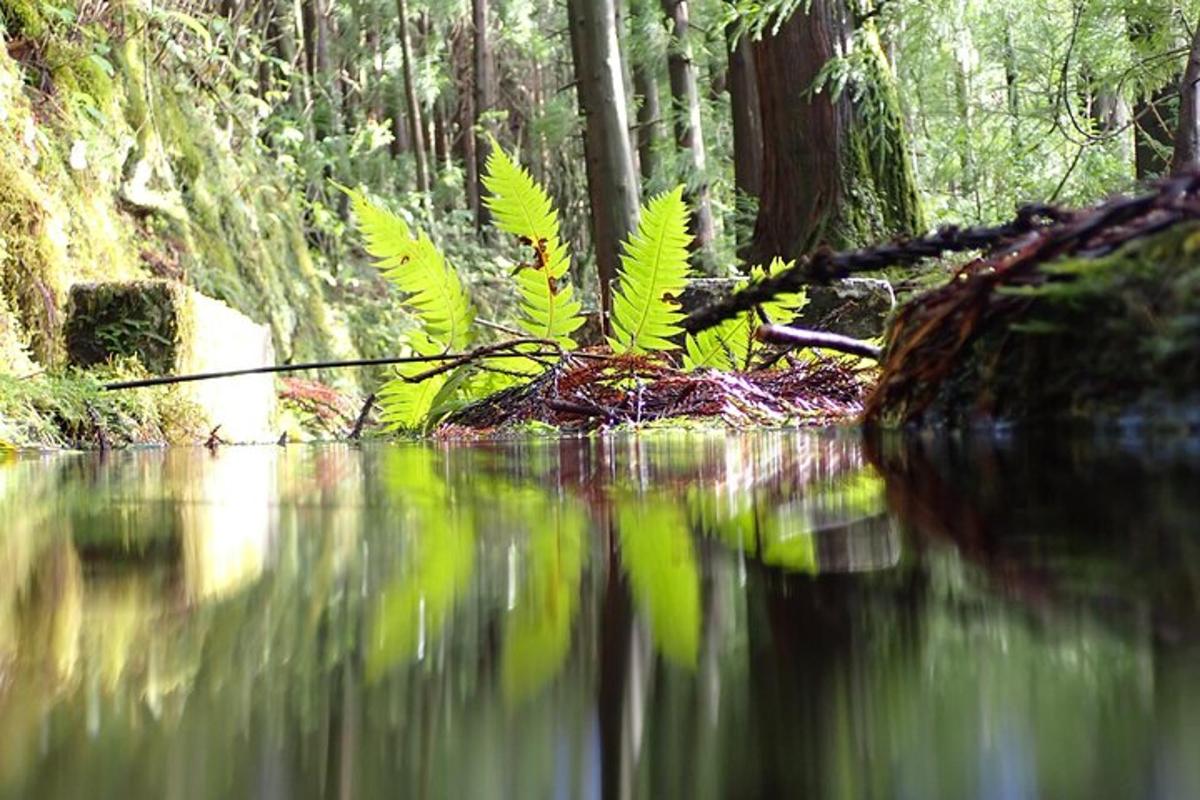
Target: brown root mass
x,y
592,391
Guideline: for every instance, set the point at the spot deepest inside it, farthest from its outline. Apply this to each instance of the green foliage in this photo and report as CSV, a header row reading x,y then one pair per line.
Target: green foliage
x,y
730,345
654,271
522,208
434,292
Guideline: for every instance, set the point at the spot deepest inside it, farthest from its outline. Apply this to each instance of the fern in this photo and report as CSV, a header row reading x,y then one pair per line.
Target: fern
x,y
730,345
654,269
416,267
521,207
435,294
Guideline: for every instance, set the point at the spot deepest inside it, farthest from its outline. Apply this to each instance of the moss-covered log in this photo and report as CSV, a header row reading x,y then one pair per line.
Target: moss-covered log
x,y
1047,330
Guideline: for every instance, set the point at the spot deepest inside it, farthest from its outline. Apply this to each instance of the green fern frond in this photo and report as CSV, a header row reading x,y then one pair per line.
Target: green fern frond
x,y
717,347
783,308
654,269
522,208
417,268
731,344
405,405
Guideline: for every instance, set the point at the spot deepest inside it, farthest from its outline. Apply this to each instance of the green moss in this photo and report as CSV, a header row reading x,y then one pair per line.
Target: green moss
x,y
23,19
1095,340
71,409
139,319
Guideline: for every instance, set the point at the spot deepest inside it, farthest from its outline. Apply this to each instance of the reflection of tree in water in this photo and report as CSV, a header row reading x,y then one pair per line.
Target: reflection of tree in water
x,y
621,617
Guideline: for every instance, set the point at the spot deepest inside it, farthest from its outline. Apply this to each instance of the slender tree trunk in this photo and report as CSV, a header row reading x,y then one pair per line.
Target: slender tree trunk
x,y
1154,126
612,180
685,101
416,138
1187,133
649,118
484,98
747,122
834,172
463,69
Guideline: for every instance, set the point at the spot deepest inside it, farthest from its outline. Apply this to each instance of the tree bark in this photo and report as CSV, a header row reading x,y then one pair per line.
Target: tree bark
x,y
463,68
685,101
485,93
1187,134
416,138
747,122
834,172
612,180
649,119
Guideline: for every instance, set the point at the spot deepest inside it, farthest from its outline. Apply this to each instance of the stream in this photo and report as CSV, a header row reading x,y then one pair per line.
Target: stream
x,y
674,614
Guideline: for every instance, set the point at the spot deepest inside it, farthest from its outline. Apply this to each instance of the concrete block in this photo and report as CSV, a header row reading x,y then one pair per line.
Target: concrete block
x,y
173,329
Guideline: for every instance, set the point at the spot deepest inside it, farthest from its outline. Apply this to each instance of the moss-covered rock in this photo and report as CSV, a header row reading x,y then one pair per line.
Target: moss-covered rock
x,y
1098,339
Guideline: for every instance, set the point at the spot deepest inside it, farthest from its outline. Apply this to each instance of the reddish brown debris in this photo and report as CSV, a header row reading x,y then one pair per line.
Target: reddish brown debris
x,y
593,392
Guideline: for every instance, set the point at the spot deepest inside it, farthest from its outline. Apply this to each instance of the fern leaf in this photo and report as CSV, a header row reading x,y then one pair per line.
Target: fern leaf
x,y
417,268
522,208
783,308
716,347
654,268
405,405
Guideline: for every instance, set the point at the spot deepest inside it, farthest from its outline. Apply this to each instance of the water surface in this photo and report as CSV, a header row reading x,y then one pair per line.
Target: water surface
x,y
676,615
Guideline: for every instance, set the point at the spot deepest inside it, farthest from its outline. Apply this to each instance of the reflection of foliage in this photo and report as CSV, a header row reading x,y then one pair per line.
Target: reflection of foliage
x,y
537,632
415,606
656,549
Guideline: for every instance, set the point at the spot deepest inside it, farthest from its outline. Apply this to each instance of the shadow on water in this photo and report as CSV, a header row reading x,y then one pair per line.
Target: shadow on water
x,y
689,615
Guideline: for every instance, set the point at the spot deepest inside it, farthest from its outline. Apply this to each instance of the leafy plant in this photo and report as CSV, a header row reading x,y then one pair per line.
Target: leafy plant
x,y
730,345
435,293
654,270
522,208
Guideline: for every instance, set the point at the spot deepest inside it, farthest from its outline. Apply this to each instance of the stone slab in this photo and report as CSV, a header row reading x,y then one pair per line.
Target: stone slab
x,y
173,329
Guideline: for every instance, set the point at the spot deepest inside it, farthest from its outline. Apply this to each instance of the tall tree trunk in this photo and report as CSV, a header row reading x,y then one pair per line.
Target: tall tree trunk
x,y
649,118
747,122
326,105
1187,133
612,180
833,173
685,101
484,98
463,67
416,139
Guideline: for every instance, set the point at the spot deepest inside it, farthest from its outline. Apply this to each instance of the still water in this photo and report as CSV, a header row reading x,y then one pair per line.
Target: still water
x,y
674,615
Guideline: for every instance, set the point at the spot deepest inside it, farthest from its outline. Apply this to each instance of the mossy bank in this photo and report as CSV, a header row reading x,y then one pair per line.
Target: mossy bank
x,y
119,165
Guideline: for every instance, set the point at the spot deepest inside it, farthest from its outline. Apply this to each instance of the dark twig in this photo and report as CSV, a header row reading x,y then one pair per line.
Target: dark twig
x,y
799,337
368,404
826,265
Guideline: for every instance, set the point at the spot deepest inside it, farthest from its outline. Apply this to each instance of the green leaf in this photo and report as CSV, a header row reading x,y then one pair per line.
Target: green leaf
x,y
654,269
405,405
416,267
522,208
718,347
783,308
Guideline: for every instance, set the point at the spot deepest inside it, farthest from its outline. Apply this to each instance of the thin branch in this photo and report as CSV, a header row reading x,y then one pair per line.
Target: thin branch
x,y
799,337
453,359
